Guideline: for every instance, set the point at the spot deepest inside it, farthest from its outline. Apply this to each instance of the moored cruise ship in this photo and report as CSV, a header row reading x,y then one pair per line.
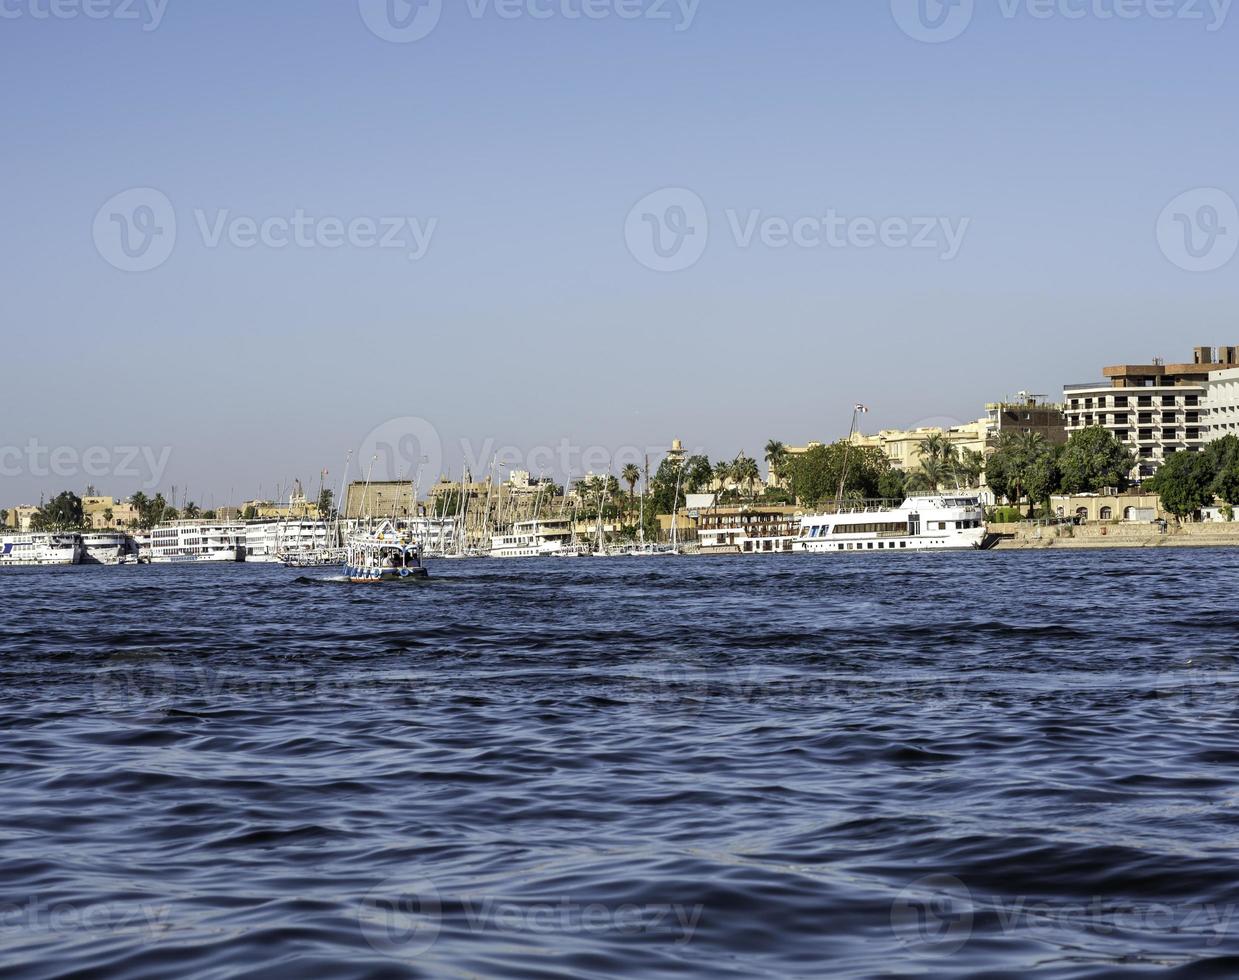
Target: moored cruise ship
x,y
108,548
41,549
929,522
196,541
278,541
534,539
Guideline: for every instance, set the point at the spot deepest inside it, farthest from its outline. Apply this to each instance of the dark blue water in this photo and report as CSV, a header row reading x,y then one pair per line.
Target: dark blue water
x,y
998,763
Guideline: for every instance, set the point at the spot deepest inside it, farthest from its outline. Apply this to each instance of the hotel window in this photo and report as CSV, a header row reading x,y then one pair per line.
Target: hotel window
x,y
1167,399
1120,401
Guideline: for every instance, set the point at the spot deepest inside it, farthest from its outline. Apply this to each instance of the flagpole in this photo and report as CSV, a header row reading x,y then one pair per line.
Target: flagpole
x,y
847,449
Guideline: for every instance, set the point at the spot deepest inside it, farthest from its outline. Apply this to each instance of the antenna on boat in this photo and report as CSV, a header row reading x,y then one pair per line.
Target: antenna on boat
x,y
847,449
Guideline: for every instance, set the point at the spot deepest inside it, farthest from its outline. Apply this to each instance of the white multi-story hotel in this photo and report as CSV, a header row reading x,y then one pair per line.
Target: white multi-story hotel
x,y
1222,403
1155,409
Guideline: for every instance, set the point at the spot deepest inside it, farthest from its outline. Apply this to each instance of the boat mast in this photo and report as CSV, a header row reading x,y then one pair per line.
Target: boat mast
x,y
847,448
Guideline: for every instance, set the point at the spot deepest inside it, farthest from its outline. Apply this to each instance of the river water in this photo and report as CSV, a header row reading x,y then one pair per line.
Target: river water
x,y
992,763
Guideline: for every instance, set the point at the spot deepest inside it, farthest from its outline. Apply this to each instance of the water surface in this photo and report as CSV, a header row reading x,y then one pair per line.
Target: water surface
x,y
997,763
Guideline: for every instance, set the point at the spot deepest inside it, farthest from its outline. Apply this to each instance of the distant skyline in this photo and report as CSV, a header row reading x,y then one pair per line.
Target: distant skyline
x,y
242,242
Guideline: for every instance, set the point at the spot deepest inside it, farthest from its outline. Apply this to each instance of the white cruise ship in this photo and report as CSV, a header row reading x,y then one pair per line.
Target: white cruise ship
x,y
277,541
534,539
931,522
108,548
186,541
41,549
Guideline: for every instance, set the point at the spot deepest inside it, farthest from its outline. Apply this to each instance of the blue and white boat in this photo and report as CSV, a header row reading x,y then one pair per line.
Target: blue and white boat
x,y
383,554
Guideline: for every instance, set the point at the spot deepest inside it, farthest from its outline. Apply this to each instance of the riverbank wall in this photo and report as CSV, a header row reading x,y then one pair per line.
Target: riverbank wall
x,y
1030,536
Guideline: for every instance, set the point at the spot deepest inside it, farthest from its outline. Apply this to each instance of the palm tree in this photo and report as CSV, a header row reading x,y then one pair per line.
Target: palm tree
x,y
969,467
935,447
631,475
745,471
927,477
192,510
722,473
776,456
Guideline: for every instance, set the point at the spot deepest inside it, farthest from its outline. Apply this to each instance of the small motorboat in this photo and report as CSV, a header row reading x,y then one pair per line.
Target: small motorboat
x,y
383,554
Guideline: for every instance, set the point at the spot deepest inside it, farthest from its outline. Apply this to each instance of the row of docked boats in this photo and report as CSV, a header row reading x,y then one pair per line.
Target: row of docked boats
x,y
102,548
932,522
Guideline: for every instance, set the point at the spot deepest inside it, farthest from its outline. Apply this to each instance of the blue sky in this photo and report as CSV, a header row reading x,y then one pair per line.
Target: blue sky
x,y
519,145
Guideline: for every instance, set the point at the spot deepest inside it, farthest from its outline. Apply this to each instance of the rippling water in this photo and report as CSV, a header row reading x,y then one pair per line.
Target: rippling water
x,y
1007,763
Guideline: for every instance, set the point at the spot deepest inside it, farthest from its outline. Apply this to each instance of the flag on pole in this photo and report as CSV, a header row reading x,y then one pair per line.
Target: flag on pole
x,y
862,409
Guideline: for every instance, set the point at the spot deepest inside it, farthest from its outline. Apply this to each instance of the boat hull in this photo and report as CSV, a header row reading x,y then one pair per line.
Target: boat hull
x,y
367,576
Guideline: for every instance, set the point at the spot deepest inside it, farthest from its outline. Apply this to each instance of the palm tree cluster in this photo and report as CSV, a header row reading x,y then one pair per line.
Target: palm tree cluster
x,y
943,464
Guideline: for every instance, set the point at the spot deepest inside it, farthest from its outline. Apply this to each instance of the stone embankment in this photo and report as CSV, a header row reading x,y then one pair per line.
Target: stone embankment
x,y
1205,535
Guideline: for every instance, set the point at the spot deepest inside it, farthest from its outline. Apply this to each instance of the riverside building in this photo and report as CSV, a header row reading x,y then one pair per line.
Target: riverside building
x,y
1154,409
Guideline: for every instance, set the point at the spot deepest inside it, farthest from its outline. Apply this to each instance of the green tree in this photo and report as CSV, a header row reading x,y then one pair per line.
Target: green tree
x,y
928,477
631,475
1226,483
814,475
1093,459
1020,467
1184,483
1221,453
968,467
62,513
1041,478
892,484
698,474
746,472
192,511
666,486
326,504
776,457
936,447
251,513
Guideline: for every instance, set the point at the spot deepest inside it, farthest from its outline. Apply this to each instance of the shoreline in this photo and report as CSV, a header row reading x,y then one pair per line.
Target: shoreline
x,y
1015,537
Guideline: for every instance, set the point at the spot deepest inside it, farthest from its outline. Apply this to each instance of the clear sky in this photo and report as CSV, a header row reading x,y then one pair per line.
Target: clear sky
x,y
1034,154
